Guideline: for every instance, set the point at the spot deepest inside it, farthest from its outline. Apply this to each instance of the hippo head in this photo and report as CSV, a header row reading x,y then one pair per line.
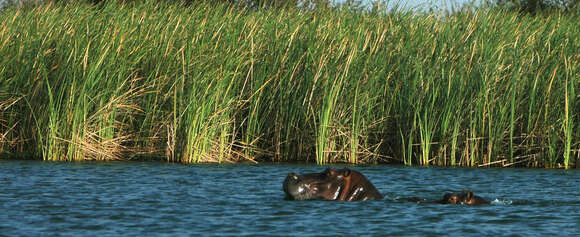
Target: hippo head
x,y
469,198
343,185
325,185
452,198
466,197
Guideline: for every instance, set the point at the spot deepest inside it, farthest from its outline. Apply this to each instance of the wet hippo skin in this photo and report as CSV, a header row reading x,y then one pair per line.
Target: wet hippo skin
x,y
340,185
465,197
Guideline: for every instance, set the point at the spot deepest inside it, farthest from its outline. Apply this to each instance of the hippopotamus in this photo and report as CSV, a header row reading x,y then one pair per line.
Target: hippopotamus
x,y
339,185
448,198
466,197
451,198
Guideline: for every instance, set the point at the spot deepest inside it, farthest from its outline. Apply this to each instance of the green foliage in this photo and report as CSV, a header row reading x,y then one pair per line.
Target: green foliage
x,y
534,6
215,83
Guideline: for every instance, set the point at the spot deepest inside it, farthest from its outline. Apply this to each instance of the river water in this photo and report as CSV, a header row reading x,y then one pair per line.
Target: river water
x,y
161,199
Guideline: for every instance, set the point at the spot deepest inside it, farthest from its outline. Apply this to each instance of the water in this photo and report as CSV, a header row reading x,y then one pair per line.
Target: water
x,y
159,199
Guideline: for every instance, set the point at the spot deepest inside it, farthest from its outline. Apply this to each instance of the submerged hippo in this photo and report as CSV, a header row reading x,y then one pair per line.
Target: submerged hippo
x,y
343,185
451,198
448,198
466,197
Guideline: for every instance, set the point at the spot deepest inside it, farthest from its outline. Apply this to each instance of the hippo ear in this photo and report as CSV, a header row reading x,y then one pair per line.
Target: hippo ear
x,y
469,195
347,172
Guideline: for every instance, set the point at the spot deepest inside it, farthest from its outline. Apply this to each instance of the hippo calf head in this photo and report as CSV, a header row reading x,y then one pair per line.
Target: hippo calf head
x,y
466,197
470,199
451,198
343,185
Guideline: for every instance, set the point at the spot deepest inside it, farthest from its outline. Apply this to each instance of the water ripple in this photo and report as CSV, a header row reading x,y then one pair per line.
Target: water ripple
x,y
135,199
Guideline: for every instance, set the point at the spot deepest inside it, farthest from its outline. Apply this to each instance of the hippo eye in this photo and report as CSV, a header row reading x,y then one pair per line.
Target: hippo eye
x,y
346,172
328,172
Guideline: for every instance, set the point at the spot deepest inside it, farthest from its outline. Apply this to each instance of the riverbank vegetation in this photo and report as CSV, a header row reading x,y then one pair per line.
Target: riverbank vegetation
x,y
220,83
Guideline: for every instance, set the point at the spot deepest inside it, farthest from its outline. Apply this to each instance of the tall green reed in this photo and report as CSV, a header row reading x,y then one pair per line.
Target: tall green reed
x,y
217,83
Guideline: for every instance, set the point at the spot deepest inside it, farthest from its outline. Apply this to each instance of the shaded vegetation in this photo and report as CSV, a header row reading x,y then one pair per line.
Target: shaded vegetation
x,y
535,6
215,82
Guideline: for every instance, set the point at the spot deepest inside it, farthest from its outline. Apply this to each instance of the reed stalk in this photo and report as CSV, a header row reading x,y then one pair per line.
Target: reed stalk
x,y
219,83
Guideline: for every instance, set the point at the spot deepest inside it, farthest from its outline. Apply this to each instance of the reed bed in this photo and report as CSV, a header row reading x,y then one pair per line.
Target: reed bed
x,y
216,83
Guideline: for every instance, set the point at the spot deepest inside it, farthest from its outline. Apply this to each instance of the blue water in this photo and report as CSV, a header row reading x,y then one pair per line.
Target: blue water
x,y
160,199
